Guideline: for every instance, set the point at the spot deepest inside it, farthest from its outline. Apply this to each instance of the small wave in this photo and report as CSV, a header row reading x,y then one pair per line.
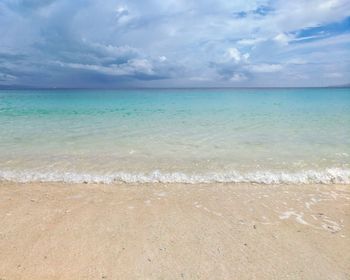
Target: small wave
x,y
328,176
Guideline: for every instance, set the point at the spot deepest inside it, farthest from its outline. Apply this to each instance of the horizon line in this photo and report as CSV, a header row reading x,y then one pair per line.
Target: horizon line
x,y
165,88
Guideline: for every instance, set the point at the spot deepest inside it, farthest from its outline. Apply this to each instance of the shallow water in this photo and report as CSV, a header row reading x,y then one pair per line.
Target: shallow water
x,y
181,135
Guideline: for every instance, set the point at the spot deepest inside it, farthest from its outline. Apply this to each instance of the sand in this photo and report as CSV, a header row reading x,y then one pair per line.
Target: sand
x,y
158,231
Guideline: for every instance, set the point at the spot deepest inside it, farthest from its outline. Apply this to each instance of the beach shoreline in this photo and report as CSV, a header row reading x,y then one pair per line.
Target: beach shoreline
x,y
174,231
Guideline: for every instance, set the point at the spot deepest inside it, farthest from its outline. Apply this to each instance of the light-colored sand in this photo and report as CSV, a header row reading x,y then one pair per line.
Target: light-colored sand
x,y
61,231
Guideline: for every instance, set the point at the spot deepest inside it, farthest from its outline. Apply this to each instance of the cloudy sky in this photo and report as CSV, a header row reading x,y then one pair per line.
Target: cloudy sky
x,y
174,43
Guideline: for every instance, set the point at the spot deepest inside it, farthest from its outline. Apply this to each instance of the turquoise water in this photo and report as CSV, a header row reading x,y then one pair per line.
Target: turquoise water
x,y
177,135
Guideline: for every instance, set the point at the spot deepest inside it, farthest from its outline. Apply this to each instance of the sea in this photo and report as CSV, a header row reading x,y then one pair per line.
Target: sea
x,y
267,135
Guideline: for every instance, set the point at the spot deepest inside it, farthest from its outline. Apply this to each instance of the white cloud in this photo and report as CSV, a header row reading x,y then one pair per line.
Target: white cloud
x,y
325,5
324,43
132,67
265,68
299,14
250,42
112,50
235,55
7,78
334,75
162,58
283,38
140,66
122,14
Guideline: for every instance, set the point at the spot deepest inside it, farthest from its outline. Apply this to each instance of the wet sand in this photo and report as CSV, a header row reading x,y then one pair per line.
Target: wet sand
x,y
158,231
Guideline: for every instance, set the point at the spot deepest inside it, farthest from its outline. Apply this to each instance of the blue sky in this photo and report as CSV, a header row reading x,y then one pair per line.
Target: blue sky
x,y
174,43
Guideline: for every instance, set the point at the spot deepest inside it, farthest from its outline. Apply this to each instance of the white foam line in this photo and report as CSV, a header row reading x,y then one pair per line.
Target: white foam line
x,y
328,176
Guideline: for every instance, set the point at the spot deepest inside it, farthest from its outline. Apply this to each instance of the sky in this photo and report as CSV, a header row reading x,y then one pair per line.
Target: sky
x,y
174,43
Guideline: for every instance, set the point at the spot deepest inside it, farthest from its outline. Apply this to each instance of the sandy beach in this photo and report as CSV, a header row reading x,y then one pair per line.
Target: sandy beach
x,y
157,231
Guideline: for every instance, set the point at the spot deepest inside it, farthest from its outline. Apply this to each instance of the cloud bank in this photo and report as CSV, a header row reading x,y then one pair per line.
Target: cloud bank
x,y
154,43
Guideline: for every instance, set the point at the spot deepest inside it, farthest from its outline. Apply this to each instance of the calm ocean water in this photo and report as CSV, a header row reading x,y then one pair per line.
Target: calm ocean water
x,y
187,135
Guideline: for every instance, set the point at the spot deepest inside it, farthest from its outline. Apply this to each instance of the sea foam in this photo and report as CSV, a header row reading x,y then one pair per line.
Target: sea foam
x,y
328,176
